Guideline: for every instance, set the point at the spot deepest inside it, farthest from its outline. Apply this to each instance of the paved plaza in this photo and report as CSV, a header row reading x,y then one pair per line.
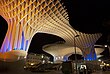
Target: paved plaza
x,y
59,72
101,72
55,72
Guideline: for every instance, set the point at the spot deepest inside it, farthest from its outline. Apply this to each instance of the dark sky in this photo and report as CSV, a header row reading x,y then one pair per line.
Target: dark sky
x,y
88,16
3,29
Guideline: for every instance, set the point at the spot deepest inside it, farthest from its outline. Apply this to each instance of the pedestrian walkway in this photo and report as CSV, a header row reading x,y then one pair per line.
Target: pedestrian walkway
x,y
29,72
102,72
56,72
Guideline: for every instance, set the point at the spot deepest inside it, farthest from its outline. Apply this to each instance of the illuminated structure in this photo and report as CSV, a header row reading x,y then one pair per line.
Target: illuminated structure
x,y
99,49
61,51
25,18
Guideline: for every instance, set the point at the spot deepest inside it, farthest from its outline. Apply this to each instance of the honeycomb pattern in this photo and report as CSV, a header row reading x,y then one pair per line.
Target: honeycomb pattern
x,y
27,17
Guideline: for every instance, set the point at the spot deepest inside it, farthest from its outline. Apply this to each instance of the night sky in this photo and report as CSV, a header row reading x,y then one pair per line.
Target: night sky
x,y
87,16
3,29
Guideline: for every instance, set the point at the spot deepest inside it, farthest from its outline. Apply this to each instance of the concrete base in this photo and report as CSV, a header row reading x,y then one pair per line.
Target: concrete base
x,y
16,67
13,55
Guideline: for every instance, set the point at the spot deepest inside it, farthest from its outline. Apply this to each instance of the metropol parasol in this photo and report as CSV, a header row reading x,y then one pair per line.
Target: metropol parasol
x,y
25,18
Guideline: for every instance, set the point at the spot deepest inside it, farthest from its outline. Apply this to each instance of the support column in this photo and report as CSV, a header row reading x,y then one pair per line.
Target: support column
x,y
91,55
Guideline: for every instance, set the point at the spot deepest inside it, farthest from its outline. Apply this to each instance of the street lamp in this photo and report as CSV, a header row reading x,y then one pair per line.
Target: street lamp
x,y
75,52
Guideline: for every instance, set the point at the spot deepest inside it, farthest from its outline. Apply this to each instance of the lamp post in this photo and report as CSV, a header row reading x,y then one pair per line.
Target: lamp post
x,y
75,52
